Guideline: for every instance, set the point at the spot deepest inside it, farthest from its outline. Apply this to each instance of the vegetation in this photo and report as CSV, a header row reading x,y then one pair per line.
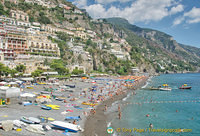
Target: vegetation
x,y
37,73
58,66
76,71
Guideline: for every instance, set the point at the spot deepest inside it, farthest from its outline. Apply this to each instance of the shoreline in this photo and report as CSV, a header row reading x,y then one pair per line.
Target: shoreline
x,y
97,124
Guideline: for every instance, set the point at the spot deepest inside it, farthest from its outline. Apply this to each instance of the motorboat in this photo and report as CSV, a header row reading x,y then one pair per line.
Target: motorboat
x,y
66,126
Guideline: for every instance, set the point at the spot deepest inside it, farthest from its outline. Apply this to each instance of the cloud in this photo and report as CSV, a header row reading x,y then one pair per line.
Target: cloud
x,y
178,8
190,17
138,11
193,16
178,21
110,1
80,3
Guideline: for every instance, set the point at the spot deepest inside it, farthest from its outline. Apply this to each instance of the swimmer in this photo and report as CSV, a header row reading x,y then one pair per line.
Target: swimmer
x,y
147,115
151,125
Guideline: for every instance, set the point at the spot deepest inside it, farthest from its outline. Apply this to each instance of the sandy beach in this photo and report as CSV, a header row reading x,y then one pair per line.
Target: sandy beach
x,y
98,123
104,93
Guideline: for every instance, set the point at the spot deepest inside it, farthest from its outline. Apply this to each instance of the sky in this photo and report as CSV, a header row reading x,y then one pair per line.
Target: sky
x,y
178,18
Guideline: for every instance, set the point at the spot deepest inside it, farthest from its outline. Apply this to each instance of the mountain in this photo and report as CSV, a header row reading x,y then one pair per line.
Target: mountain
x,y
162,40
104,45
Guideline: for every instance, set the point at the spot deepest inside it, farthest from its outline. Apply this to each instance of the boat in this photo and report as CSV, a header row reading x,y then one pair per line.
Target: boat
x,y
54,107
90,104
72,118
155,88
46,118
35,120
165,88
185,87
71,86
30,120
46,107
66,126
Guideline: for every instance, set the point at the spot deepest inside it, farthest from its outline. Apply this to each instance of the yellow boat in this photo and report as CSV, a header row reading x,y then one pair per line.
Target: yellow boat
x,y
54,107
90,104
46,118
41,83
29,87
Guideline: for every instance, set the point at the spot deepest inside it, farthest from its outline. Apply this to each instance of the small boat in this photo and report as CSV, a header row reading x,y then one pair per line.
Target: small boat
x,y
155,88
46,107
30,120
165,88
71,86
66,126
54,107
72,118
46,118
185,87
90,104
69,110
35,120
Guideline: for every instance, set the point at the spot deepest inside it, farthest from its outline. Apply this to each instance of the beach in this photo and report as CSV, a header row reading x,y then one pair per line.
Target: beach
x,y
101,91
98,123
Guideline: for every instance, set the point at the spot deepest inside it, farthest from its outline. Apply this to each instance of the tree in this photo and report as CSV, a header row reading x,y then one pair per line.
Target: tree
x,y
58,66
2,68
20,68
76,71
37,73
13,72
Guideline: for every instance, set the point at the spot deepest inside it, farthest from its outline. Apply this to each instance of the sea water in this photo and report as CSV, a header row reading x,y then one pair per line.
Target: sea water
x,y
170,112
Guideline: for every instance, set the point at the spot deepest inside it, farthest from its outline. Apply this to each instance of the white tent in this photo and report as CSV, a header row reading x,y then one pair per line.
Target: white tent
x,y
9,92
27,95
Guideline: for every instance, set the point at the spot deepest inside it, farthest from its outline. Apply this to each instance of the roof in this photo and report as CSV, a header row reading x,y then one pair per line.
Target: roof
x,y
50,73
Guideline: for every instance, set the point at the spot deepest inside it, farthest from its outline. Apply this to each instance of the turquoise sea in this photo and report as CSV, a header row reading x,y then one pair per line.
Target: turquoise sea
x,y
168,110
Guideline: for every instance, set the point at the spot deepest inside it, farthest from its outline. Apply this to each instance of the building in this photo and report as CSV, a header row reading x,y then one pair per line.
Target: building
x,y
40,45
24,24
19,15
1,56
79,67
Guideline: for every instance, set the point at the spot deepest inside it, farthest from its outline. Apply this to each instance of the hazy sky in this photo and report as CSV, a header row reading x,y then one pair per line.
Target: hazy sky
x,y
178,18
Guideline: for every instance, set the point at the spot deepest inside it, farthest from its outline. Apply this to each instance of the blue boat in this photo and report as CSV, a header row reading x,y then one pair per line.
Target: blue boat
x,y
72,118
46,107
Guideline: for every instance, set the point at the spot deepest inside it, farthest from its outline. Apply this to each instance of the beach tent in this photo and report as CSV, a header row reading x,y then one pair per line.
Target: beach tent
x,y
9,92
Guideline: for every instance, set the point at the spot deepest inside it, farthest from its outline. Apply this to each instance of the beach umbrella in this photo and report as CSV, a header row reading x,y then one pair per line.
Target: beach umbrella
x,y
4,87
19,82
3,83
27,95
12,83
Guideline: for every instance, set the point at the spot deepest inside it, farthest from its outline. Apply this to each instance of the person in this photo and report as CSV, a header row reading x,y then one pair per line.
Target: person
x,y
74,122
119,109
94,111
151,125
176,110
105,108
120,115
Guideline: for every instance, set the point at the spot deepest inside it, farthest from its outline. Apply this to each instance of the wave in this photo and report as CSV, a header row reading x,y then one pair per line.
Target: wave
x,y
124,99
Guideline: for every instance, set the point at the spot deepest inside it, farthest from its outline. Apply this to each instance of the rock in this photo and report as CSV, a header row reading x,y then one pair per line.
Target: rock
x,y
7,125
